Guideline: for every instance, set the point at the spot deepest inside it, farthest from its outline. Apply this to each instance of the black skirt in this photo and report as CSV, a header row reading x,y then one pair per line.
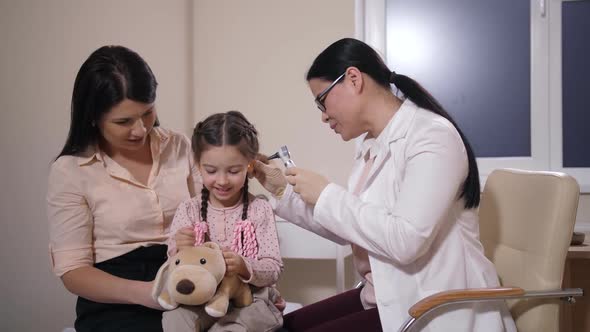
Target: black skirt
x,y
140,264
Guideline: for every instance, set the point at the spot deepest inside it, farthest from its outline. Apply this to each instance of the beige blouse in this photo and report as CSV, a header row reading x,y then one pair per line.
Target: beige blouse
x,y
98,211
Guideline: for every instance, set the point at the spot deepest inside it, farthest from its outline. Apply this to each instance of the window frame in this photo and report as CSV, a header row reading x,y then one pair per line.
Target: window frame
x,y
370,27
582,174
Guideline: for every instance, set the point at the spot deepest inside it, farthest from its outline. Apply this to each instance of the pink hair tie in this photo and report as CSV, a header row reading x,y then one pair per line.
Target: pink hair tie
x,y
244,242
200,231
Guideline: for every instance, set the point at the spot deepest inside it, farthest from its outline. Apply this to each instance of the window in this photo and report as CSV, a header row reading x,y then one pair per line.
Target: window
x,y
570,106
489,64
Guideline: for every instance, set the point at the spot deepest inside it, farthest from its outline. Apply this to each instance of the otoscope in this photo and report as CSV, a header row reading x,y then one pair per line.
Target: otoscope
x,y
284,155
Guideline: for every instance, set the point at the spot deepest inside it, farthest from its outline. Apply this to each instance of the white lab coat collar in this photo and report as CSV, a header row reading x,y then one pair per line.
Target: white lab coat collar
x,y
396,128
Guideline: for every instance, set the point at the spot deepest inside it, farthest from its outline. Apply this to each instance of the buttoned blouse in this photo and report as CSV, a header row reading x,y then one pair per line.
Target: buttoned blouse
x,y
98,211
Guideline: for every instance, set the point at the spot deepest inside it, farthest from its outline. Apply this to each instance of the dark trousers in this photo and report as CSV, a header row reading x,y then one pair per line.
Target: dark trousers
x,y
343,312
140,264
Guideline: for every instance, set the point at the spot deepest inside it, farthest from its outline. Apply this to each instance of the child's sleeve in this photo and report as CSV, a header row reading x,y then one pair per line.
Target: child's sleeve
x,y
181,219
266,269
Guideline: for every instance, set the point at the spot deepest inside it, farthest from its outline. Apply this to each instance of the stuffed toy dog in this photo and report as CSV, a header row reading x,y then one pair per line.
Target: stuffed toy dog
x,y
195,276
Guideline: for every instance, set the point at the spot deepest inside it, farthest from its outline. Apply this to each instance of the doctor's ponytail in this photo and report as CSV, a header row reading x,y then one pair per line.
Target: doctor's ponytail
x,y
349,52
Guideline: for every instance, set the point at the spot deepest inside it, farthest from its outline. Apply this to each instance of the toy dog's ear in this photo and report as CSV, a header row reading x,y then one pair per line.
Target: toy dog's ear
x,y
158,292
212,245
160,280
219,261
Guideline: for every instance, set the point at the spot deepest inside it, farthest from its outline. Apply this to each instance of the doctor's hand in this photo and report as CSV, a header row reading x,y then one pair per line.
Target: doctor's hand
x,y
309,185
271,178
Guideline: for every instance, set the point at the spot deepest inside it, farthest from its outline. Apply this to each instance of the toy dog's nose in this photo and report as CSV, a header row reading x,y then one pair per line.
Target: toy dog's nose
x,y
185,286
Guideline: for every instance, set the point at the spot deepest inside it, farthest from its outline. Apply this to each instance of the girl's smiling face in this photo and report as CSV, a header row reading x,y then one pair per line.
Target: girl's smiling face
x,y
224,171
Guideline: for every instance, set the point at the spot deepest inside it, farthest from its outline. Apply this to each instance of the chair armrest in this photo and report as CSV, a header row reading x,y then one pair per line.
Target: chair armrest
x,y
360,284
430,303
458,295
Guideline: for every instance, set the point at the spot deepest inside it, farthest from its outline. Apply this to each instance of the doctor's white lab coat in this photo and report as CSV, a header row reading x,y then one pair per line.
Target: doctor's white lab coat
x,y
420,238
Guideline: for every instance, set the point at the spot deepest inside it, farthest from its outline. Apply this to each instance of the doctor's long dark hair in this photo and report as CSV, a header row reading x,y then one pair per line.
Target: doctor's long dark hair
x,y
348,52
109,75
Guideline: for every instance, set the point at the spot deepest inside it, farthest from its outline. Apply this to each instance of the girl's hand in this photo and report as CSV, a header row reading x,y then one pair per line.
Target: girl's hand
x,y
307,184
277,299
185,238
235,264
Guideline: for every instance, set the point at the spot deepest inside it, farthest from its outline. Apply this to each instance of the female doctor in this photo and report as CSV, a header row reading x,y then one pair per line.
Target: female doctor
x,y
409,211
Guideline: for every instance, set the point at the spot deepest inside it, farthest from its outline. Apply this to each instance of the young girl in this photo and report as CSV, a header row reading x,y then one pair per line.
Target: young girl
x,y
224,144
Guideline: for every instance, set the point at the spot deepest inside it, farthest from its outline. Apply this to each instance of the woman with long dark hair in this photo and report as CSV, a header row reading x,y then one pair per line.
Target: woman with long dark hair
x,y
113,191
409,211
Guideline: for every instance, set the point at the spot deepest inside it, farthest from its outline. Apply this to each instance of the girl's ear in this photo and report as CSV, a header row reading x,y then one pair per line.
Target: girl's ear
x,y
355,77
250,169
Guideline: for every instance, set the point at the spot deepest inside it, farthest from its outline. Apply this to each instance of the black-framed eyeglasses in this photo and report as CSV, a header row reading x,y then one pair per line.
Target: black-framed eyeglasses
x,y
319,100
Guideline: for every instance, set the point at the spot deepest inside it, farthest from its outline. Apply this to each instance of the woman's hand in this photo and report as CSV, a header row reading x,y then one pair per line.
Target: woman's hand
x,y
185,238
144,296
100,286
235,264
307,184
271,178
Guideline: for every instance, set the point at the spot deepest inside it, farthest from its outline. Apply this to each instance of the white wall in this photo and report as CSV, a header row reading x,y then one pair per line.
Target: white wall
x,y
253,56
43,43
249,56
583,217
